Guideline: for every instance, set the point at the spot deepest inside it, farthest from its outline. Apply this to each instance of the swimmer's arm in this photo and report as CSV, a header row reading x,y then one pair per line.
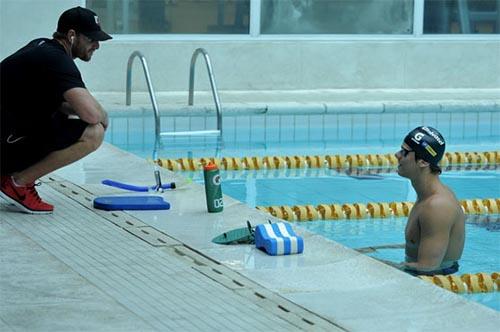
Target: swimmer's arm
x,y
435,223
399,266
370,249
83,104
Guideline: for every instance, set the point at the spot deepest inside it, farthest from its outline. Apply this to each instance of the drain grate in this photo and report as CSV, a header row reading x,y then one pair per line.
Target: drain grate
x,y
152,236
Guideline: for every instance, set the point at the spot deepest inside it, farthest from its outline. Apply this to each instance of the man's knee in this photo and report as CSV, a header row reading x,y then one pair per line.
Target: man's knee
x,y
93,136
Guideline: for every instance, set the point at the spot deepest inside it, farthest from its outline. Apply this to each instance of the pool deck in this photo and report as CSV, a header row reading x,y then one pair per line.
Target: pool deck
x,y
91,270
311,101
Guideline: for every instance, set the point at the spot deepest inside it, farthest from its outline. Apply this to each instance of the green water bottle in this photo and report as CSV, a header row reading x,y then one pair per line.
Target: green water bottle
x,y
213,189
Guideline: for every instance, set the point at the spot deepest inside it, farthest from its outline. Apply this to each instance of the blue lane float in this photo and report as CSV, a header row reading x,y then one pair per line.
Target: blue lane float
x,y
278,239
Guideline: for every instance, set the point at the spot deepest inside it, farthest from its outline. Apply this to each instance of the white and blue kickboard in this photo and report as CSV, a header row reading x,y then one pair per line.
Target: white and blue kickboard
x,y
278,239
110,203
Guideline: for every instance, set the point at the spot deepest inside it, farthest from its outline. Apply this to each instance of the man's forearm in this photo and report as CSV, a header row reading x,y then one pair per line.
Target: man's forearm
x,y
103,115
66,109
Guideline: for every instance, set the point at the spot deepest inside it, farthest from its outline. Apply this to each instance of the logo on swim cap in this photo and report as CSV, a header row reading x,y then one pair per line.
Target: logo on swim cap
x,y
427,143
429,149
433,134
417,137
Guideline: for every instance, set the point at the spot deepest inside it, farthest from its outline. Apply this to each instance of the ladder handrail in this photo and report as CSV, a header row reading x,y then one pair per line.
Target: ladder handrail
x,y
211,77
150,88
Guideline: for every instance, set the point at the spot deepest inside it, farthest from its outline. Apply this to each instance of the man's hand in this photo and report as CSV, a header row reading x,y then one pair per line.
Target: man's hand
x,y
105,120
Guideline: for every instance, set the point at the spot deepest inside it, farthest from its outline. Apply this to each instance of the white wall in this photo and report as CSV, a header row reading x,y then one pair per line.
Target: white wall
x,y
267,64
281,65
24,20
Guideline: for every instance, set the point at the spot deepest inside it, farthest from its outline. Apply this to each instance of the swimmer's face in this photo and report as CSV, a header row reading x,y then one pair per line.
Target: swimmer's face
x,y
84,47
406,160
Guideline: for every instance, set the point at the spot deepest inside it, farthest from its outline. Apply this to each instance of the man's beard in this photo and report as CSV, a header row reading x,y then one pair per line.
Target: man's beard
x,y
81,54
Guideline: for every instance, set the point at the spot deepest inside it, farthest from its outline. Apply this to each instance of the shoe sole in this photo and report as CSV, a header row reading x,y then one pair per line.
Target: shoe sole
x,y
20,206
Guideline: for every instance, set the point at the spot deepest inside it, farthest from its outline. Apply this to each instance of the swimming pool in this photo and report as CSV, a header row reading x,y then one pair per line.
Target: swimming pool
x,y
323,134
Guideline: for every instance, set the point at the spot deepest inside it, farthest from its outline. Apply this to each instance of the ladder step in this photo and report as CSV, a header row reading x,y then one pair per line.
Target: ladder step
x,y
192,133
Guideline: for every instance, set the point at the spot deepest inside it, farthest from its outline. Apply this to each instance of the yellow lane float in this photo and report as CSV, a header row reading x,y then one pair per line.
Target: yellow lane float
x,y
480,282
332,161
479,207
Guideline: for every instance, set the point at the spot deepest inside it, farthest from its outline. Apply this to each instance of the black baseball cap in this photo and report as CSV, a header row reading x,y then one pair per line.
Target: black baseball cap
x,y
84,21
427,143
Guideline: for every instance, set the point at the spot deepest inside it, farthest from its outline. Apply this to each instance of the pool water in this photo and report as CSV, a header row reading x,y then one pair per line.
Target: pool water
x,y
318,186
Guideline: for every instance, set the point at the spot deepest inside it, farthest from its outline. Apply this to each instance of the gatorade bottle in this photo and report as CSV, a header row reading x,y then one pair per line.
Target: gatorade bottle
x,y
213,190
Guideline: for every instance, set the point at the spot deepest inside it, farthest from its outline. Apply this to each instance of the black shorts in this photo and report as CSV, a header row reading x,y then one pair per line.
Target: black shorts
x,y
448,270
21,149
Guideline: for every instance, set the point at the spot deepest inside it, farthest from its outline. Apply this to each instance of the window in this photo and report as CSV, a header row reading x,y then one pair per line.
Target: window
x,y
337,17
294,17
462,16
173,16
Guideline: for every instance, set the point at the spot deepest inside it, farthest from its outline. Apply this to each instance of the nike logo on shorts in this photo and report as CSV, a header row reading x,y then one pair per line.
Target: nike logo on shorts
x,y
12,139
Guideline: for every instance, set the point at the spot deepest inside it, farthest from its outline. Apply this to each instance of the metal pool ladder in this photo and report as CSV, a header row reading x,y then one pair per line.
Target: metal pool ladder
x,y
158,133
152,94
215,94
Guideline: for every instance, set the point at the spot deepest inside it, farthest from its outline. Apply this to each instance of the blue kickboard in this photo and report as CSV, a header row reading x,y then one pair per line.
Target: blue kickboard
x,y
278,239
110,203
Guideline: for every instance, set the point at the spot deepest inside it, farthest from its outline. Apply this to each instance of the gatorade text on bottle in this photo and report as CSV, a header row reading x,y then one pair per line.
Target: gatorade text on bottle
x,y
213,190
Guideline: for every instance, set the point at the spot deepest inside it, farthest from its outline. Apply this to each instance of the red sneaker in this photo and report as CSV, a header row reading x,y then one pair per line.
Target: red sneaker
x,y
24,197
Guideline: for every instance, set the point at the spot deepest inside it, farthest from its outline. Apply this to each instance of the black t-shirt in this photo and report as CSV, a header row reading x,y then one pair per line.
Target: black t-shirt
x,y
32,83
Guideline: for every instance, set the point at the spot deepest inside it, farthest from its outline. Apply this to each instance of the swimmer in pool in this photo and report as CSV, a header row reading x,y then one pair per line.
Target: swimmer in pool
x,y
435,230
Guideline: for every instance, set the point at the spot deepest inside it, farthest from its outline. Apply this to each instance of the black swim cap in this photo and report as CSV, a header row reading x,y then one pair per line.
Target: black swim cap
x,y
427,143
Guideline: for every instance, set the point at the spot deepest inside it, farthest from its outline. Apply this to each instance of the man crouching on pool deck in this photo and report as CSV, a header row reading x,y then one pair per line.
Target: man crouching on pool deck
x,y
48,118
435,230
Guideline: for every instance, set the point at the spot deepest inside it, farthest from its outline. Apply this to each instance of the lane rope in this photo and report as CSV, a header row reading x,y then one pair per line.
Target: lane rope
x,y
334,211
347,161
480,282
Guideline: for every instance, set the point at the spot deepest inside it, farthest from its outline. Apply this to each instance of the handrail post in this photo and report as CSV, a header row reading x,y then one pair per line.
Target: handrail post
x,y
211,77
151,93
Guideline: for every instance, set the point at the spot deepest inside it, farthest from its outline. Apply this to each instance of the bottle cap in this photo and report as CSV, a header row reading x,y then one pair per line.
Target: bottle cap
x,y
210,167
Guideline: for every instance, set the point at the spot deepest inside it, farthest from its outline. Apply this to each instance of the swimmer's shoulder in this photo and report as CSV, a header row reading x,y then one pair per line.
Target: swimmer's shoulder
x,y
442,207
441,202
